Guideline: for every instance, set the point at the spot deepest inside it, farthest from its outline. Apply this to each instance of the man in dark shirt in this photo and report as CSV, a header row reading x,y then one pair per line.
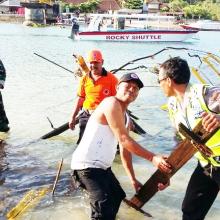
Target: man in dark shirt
x,y
3,118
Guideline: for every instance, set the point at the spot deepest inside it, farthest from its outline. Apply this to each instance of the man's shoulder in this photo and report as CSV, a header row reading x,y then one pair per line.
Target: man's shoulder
x,y
109,73
110,105
109,102
205,90
110,99
112,76
84,78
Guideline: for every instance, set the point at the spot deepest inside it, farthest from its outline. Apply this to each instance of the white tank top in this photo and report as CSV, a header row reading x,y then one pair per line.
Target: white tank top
x,y
97,148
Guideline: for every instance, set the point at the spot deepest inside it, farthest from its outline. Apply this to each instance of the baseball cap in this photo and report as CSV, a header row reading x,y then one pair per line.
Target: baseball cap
x,y
95,56
131,77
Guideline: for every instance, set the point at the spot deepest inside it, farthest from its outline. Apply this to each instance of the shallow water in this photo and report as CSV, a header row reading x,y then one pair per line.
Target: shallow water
x,y
36,89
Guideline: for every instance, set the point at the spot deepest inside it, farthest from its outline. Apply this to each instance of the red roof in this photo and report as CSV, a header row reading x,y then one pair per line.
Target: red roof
x,y
104,5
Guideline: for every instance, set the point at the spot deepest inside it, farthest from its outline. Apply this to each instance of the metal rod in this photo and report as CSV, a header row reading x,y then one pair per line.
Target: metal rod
x,y
54,63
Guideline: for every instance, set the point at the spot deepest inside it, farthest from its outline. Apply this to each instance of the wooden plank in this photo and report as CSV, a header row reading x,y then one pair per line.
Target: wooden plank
x,y
180,155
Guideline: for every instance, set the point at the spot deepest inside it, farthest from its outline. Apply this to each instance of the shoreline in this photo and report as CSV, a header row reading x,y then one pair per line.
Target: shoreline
x,y
11,18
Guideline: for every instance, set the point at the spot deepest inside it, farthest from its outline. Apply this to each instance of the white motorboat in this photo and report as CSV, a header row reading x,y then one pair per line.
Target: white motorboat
x,y
136,27
203,25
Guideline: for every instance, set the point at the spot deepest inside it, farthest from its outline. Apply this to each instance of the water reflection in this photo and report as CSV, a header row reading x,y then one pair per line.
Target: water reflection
x,y
3,169
3,164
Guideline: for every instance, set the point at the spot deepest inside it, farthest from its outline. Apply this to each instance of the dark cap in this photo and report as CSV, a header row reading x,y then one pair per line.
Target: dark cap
x,y
131,77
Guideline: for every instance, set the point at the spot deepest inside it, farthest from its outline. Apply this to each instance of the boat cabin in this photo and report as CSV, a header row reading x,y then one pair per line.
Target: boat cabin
x,y
105,22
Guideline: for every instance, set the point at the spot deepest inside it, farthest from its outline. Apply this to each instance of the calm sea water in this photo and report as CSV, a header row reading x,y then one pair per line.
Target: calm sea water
x,y
36,89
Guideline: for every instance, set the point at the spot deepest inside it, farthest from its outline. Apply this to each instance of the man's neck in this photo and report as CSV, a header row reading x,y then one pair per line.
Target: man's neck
x,y
95,76
123,104
179,91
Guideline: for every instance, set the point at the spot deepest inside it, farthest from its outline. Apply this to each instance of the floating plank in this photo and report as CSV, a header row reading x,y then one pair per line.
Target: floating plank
x,y
32,198
29,200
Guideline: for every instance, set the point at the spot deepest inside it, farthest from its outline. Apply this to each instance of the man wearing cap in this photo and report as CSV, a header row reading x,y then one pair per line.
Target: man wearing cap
x,y
93,158
93,88
3,118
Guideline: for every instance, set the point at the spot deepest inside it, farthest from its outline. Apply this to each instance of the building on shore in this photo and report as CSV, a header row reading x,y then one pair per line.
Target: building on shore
x,y
103,7
153,6
11,7
40,11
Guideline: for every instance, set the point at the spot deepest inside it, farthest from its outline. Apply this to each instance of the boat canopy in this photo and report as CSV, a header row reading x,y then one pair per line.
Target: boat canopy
x,y
137,16
118,21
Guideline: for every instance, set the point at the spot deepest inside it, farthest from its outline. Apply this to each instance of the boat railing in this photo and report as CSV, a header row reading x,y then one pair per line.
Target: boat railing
x,y
104,22
94,24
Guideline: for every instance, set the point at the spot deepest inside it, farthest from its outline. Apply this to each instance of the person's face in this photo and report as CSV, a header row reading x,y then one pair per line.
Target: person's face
x,y
96,68
164,82
128,91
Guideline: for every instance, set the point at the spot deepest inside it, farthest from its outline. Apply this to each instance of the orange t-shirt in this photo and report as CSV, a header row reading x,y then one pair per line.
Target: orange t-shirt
x,y
95,91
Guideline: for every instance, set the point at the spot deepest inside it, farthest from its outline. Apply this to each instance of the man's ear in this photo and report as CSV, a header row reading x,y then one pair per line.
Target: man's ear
x,y
117,87
169,82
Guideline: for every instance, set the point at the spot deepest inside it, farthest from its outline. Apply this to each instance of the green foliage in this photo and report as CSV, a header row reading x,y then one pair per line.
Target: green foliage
x,y
177,5
205,9
85,7
63,6
165,9
202,10
72,7
215,9
133,4
89,6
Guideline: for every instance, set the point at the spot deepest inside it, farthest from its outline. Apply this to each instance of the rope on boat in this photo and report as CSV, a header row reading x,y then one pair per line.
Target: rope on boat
x,y
216,57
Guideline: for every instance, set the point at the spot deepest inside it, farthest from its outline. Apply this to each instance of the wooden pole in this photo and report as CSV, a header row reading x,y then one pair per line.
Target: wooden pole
x,y
57,176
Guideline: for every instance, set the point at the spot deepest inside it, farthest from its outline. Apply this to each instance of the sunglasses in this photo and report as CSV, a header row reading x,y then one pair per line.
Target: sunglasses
x,y
160,80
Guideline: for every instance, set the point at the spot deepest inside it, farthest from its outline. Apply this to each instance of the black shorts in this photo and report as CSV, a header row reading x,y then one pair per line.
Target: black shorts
x,y
104,190
201,192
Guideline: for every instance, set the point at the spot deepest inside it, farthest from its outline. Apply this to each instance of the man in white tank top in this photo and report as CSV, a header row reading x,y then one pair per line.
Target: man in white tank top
x,y
92,159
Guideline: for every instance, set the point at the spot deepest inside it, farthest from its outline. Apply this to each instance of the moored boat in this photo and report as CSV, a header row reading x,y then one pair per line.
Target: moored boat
x,y
137,27
203,25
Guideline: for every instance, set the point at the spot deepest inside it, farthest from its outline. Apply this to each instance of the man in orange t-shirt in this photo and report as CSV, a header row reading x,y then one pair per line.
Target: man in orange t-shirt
x,y
93,88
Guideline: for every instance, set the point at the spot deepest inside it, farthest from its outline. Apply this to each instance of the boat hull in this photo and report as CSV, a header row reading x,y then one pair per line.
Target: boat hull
x,y
137,36
203,26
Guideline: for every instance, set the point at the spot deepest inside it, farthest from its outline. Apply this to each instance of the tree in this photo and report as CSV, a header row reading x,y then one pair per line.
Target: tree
x,y
133,4
197,11
86,7
177,5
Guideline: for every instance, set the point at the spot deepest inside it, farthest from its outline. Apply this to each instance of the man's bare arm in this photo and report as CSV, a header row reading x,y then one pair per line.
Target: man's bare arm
x,y
126,158
114,115
77,106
